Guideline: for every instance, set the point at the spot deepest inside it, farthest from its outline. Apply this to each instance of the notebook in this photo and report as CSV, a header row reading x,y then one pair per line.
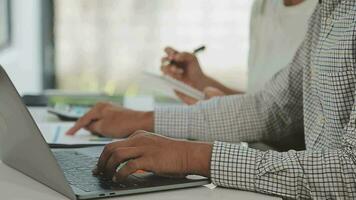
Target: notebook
x,y
177,85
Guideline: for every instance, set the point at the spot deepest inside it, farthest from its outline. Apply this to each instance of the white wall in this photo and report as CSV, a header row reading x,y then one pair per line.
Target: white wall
x,y
22,60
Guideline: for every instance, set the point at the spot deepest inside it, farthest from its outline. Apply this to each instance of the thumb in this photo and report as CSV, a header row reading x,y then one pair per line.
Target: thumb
x,y
211,92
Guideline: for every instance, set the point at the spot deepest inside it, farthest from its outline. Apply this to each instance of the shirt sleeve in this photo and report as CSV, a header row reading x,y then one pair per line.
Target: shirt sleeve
x,y
263,115
329,174
311,174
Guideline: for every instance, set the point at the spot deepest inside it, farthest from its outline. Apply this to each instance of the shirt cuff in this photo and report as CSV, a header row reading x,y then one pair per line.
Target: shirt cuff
x,y
173,121
233,166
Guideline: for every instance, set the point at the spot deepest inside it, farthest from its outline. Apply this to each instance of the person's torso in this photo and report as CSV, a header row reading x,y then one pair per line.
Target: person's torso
x,y
329,76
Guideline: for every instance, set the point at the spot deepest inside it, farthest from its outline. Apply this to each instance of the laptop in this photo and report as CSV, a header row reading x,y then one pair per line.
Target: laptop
x,y
67,171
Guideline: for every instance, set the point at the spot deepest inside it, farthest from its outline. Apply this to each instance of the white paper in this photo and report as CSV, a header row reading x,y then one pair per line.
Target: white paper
x,y
210,186
54,133
177,85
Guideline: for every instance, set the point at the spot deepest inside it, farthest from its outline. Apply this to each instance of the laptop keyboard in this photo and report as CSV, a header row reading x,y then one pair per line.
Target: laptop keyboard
x,y
78,168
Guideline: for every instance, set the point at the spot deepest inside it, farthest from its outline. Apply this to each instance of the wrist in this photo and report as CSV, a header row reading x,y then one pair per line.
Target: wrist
x,y
207,81
146,120
201,82
214,83
199,158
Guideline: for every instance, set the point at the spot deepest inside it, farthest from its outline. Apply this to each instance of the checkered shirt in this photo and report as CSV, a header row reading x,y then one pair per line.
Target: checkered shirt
x,y
317,90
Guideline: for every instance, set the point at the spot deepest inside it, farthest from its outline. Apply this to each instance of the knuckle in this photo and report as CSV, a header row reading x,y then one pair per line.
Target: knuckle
x,y
186,55
109,147
138,133
107,111
80,121
169,49
117,156
83,121
106,148
101,105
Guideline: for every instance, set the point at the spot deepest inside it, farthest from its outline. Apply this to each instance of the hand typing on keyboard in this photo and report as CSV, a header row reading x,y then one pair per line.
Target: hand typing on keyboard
x,y
154,153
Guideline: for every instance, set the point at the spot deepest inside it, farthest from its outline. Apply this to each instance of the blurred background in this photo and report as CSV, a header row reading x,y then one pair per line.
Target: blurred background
x,y
105,45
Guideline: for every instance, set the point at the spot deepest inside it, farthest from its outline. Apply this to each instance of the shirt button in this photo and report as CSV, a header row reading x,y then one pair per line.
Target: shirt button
x,y
329,21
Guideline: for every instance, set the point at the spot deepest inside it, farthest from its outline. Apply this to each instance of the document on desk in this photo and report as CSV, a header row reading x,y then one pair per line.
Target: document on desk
x,y
54,133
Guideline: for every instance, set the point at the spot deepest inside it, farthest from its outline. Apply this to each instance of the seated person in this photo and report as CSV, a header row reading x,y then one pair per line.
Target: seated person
x,y
277,30
316,90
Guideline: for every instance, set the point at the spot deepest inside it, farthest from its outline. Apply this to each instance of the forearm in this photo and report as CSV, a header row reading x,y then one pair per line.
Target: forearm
x,y
234,118
210,82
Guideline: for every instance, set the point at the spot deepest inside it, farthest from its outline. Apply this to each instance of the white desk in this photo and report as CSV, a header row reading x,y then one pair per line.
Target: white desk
x,y
15,185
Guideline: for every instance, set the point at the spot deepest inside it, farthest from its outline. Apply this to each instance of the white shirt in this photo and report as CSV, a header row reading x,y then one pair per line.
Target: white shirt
x,y
276,33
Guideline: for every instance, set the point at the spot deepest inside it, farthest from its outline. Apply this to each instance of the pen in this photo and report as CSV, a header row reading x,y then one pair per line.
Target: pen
x,y
197,50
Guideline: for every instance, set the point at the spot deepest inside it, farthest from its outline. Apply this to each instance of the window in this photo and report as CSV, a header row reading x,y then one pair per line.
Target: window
x,y
4,23
106,44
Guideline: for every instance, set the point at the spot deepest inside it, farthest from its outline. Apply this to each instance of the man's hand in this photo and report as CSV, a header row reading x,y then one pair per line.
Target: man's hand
x,y
185,67
113,121
209,93
154,153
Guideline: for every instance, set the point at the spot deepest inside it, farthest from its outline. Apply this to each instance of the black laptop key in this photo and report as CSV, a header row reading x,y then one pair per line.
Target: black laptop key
x,y
78,171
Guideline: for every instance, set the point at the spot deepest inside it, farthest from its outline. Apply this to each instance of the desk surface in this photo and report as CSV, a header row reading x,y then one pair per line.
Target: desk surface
x,y
15,185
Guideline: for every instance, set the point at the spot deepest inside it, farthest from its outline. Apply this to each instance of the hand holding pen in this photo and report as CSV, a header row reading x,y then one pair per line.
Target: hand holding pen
x,y
184,66
195,51
170,59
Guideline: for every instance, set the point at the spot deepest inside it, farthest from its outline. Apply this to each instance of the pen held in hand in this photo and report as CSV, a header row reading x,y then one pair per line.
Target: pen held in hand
x,y
195,51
